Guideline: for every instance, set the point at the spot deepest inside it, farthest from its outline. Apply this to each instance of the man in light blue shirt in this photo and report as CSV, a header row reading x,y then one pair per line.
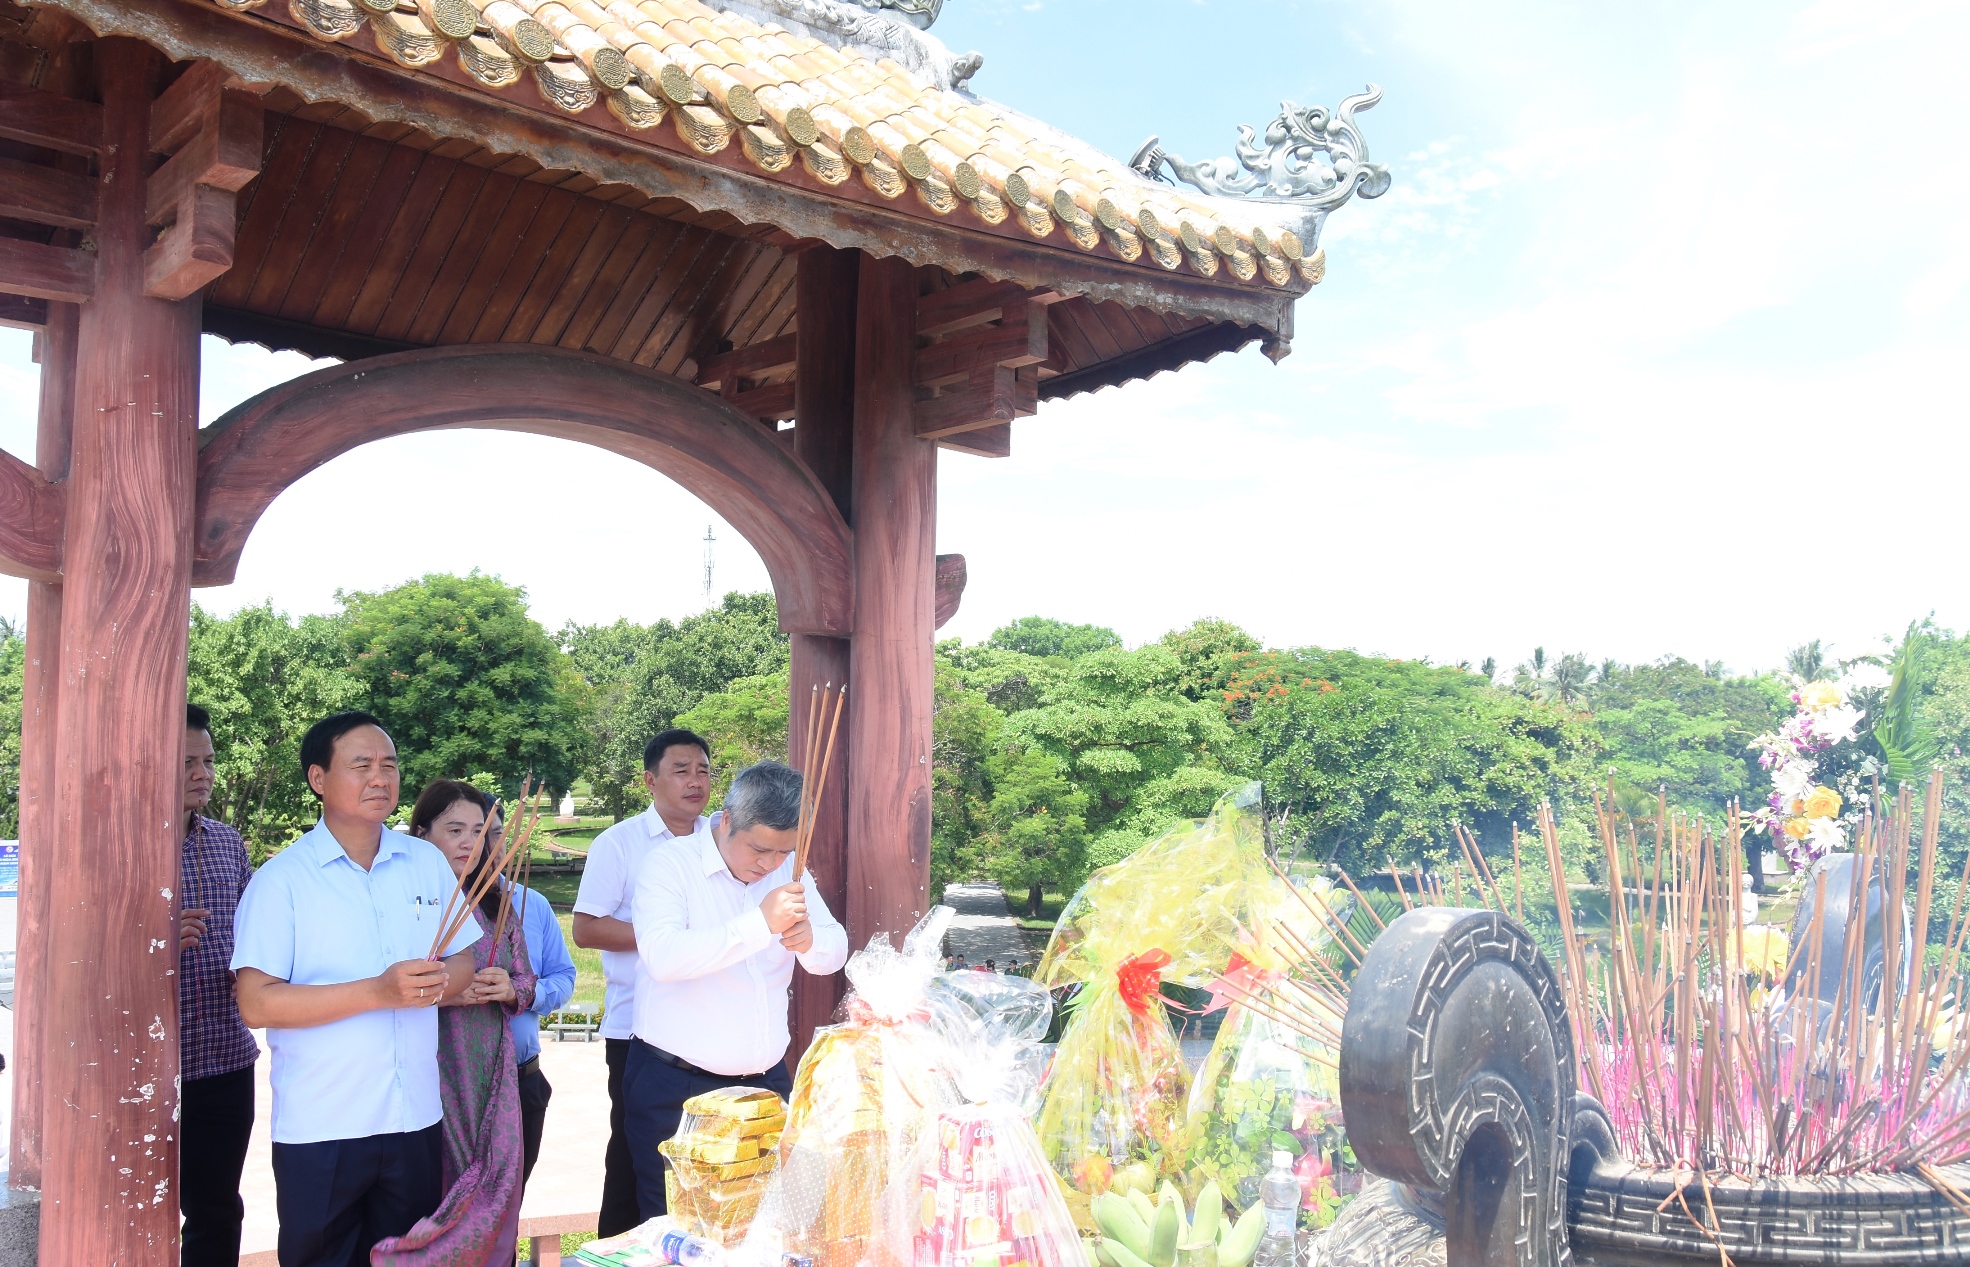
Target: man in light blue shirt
x,y
333,951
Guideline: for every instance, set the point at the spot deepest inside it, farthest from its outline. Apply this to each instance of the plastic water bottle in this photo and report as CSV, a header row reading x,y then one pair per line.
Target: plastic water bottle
x,y
686,1250
1280,1194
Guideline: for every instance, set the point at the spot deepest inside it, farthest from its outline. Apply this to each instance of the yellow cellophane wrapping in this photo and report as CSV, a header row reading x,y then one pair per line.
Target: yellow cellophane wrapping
x,y
716,1168
1117,1092
860,1098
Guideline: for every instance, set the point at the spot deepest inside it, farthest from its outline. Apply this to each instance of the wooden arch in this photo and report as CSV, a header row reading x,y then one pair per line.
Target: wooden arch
x,y
738,468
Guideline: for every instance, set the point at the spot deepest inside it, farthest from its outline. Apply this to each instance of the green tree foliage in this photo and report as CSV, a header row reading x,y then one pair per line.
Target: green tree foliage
x,y
1143,754
1673,726
1000,809
465,680
745,723
13,660
1040,636
265,680
1373,760
643,678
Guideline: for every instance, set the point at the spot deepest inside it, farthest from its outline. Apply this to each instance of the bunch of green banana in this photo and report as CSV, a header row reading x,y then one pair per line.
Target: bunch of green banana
x,y
1136,1233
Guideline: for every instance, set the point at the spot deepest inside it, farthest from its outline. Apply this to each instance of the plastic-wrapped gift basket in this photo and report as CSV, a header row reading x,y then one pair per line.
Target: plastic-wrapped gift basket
x,y
863,1093
977,1191
721,1160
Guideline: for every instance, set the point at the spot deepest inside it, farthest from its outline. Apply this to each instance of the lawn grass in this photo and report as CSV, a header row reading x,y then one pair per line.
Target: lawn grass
x,y
1050,905
589,984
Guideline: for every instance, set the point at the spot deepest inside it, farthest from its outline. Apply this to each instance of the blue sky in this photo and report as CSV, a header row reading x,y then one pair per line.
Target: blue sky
x,y
1655,346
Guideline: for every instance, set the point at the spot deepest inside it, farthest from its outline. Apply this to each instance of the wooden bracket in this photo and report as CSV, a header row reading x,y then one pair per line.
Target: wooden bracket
x,y
726,373
212,129
981,345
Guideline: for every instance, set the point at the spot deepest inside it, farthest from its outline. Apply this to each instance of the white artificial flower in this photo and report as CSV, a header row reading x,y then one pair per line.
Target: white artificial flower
x,y
1826,836
1836,725
1793,780
1861,676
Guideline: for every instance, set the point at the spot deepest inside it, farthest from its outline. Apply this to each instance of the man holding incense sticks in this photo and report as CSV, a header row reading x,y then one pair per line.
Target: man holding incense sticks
x,y
677,774
720,921
336,958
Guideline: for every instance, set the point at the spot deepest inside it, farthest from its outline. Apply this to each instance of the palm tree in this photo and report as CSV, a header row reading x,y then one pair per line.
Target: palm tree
x,y
1806,662
1570,677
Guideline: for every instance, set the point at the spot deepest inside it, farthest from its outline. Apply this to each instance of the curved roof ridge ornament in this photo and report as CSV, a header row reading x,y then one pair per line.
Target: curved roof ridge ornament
x,y
1287,166
880,28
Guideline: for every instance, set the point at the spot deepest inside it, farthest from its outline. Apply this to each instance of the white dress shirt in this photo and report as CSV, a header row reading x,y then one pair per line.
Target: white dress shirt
x,y
608,883
311,916
714,978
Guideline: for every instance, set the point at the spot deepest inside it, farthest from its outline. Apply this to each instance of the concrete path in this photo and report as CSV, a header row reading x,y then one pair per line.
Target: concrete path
x,y
984,928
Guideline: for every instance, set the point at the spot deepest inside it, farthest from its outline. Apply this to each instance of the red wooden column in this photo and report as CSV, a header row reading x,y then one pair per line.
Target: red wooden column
x,y
823,438
109,1014
895,496
41,690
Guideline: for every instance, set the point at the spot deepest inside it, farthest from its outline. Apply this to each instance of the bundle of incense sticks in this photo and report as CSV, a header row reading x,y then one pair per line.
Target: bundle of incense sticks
x,y
520,870
456,912
815,762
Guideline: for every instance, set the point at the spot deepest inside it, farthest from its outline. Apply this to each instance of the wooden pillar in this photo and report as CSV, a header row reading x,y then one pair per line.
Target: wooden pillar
x,y
895,500
110,1008
823,438
41,690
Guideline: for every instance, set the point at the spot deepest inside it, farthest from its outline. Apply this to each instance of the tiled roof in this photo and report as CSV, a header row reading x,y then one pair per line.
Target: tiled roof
x,y
719,78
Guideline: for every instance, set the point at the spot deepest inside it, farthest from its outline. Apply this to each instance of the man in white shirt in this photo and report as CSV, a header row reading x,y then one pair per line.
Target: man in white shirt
x,y
331,953
720,921
677,774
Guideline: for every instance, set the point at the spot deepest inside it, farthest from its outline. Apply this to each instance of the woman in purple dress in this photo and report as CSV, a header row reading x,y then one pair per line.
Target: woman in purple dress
x,y
478,1222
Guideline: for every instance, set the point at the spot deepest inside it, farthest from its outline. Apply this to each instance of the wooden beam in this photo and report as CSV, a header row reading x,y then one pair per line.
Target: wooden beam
x,y
46,195
959,305
983,442
21,312
825,290
30,521
40,271
989,398
214,137
1019,339
768,404
50,120
748,362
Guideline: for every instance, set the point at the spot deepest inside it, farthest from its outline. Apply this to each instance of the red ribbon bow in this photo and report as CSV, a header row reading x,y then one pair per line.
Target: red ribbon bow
x,y
1140,978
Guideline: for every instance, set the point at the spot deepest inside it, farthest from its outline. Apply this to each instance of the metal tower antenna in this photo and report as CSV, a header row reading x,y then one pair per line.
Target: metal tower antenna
x,y
710,541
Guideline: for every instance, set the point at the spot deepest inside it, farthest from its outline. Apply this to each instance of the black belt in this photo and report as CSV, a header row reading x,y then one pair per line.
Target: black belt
x,y
678,1062
530,1065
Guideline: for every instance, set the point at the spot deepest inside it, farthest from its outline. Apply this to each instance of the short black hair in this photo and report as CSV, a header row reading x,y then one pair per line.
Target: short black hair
x,y
196,718
653,752
318,745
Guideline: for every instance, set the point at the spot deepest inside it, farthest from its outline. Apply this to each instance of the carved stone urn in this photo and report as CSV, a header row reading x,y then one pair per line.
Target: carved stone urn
x,y
1457,1081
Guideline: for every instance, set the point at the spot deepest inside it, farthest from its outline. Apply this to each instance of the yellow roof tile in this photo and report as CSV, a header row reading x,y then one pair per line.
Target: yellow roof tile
x,y
719,75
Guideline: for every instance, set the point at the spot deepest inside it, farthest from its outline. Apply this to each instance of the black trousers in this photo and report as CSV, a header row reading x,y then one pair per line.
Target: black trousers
x,y
535,1092
618,1213
214,1128
655,1091
338,1197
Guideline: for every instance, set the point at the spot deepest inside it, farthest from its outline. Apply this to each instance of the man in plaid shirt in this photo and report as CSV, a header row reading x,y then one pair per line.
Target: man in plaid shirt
x,y
215,1049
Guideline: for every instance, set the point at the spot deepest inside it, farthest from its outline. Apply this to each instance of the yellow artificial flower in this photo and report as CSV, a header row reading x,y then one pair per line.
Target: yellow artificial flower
x,y
1766,950
1815,696
1797,828
1822,802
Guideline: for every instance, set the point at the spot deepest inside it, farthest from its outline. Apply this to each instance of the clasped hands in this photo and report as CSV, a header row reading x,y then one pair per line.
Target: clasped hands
x,y
422,982
785,909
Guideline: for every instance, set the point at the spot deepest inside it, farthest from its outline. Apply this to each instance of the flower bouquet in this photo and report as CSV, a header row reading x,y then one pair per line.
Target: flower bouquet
x,y
1115,1100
